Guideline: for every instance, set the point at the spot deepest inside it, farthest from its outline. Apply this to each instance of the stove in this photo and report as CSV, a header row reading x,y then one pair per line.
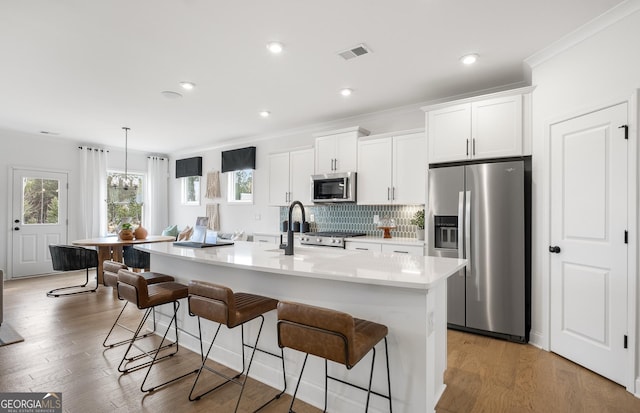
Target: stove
x,y
328,238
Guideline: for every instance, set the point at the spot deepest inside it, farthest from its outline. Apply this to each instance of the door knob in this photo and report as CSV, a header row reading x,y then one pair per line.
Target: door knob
x,y
554,249
17,221
16,229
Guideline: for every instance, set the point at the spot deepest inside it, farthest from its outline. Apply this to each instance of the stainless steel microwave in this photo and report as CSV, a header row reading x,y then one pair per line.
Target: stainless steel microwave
x,y
339,187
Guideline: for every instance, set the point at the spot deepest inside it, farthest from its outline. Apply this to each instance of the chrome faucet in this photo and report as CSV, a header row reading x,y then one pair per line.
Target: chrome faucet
x,y
288,249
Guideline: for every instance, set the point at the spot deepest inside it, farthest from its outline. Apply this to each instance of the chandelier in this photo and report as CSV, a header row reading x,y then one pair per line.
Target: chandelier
x,y
125,182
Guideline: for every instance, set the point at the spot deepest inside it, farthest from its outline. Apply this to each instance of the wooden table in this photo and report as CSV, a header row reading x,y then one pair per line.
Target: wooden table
x,y
110,248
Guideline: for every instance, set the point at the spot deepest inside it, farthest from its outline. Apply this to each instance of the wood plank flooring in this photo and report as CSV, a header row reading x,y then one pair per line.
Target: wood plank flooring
x,y
63,352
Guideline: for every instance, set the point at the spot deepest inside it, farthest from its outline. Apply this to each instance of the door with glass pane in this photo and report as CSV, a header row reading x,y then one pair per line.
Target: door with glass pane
x,y
39,218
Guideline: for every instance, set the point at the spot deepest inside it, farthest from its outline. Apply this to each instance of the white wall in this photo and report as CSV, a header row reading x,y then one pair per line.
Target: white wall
x,y
260,217
47,153
601,70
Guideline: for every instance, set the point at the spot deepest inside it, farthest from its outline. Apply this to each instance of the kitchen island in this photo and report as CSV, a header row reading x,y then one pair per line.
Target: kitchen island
x,y
407,293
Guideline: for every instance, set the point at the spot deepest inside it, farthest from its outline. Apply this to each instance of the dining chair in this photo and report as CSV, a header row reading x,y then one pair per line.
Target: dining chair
x,y
73,258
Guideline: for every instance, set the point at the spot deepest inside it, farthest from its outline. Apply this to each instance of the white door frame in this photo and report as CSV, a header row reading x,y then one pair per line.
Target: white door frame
x,y
632,382
12,169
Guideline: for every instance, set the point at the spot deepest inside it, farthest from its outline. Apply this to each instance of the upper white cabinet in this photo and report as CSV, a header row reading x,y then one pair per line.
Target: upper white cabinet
x,y
337,151
392,169
290,177
492,126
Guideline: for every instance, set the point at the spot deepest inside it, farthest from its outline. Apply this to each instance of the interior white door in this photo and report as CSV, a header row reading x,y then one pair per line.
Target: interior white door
x,y
39,218
588,283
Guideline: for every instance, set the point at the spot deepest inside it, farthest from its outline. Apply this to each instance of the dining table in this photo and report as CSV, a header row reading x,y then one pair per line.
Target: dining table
x,y
110,248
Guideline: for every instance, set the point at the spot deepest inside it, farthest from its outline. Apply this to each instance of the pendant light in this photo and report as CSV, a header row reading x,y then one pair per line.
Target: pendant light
x,y
125,183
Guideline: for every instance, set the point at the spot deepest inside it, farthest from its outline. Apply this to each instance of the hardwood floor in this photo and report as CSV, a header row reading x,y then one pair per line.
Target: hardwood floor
x,y
63,352
489,375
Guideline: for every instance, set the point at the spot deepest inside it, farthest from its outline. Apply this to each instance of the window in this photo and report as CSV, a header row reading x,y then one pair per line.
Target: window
x,y
124,202
191,190
240,187
39,201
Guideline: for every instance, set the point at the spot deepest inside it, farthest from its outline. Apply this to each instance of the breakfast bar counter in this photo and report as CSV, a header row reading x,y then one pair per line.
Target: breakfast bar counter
x,y
406,293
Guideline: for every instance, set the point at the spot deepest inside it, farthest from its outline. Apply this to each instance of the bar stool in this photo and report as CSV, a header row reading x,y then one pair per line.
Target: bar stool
x,y
221,305
134,288
332,335
110,279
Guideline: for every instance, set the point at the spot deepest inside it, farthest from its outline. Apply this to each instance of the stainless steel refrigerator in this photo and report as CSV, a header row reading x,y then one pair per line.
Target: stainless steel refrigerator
x,y
481,212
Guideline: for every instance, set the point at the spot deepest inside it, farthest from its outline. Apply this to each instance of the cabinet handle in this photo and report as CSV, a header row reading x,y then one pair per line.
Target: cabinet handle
x,y
388,193
402,252
467,147
474,146
262,240
362,249
393,192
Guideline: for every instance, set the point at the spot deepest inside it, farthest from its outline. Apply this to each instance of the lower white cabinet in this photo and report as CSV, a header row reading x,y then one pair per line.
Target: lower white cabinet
x,y
362,246
385,247
404,249
271,239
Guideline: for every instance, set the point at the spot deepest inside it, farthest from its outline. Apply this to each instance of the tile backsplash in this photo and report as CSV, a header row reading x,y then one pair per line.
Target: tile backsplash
x,y
357,218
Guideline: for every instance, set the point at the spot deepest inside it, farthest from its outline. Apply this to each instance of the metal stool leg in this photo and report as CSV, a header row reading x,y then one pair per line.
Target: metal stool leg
x,y
176,306
293,398
245,367
115,323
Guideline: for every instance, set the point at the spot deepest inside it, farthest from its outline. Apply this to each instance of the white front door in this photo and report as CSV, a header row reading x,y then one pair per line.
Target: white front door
x,y
588,279
39,218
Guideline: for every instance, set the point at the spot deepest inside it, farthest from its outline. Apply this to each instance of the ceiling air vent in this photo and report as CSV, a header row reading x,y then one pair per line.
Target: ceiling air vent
x,y
355,51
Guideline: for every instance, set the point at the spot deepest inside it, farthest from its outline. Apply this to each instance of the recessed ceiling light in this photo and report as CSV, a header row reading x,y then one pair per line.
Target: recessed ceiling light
x,y
275,47
265,113
346,92
188,85
170,94
469,59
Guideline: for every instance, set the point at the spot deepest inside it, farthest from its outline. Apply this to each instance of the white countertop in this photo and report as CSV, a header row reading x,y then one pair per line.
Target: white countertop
x,y
393,270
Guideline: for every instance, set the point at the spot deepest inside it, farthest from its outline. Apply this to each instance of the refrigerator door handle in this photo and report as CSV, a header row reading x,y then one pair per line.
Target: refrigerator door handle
x,y
460,224
467,230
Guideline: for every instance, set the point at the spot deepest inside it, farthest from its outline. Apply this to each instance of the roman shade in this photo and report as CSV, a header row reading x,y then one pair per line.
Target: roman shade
x,y
189,167
239,159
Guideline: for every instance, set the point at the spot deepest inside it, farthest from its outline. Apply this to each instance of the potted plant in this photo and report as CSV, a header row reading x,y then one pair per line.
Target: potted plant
x,y
126,231
418,221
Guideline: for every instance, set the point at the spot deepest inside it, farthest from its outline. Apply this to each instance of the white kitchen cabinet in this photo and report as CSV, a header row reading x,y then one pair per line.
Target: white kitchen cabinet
x,y
478,128
337,151
362,246
384,246
289,177
392,170
403,249
266,238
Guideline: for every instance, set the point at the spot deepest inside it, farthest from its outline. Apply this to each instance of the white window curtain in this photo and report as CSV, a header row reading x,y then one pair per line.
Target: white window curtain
x,y
156,201
93,192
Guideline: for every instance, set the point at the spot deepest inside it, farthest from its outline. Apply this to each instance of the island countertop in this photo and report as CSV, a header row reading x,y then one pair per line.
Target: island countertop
x,y
393,270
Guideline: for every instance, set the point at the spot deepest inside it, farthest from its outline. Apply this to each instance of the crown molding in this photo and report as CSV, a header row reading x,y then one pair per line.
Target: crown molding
x,y
589,29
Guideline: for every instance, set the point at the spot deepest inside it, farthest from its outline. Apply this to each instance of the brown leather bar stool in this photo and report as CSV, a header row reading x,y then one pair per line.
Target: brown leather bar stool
x,y
221,305
110,279
332,335
134,288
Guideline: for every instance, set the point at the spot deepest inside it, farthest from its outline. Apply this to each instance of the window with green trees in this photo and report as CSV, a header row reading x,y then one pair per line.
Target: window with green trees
x,y
124,202
40,201
240,186
191,190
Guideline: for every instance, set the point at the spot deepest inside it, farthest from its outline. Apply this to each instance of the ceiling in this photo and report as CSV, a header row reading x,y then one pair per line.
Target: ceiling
x,y
82,69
